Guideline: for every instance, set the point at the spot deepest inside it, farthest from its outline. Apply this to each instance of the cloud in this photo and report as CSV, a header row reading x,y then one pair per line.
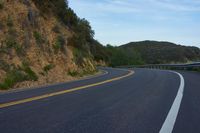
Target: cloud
x,y
175,5
108,6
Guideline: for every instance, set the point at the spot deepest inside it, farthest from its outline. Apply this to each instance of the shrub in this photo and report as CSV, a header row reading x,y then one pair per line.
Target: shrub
x,y
3,86
73,73
195,69
60,41
47,68
25,62
89,72
19,50
79,55
12,78
56,48
59,44
18,75
31,75
1,4
78,41
10,43
9,21
38,37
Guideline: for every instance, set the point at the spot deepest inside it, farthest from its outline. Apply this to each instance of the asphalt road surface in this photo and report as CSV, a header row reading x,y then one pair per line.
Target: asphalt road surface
x,y
148,101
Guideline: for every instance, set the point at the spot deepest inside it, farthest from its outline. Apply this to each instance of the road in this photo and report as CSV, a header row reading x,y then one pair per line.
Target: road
x,y
117,102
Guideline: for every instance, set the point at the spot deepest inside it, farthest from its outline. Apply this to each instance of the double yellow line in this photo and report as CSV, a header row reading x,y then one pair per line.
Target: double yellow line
x,y
8,104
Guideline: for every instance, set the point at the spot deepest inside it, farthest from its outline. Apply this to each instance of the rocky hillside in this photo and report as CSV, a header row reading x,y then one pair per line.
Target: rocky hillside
x,y
42,42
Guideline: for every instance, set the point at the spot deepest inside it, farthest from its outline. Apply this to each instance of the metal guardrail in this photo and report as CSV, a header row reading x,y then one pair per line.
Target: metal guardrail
x,y
189,66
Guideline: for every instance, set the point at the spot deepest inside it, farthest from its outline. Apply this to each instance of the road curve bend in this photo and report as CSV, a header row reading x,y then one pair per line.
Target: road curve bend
x,y
132,103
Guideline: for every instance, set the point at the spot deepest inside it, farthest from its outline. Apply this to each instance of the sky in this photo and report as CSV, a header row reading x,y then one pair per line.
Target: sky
x,y
117,22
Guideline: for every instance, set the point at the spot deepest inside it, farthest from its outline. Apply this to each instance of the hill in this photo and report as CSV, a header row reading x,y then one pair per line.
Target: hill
x,y
43,41
154,52
151,52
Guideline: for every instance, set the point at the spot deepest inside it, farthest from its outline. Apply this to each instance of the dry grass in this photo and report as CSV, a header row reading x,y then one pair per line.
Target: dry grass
x,y
38,57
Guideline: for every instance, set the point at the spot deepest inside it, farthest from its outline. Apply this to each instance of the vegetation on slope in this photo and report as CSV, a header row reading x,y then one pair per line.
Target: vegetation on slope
x,y
56,42
83,33
148,52
153,52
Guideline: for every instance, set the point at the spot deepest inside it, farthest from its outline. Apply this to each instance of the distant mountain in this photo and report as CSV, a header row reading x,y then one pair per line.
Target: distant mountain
x,y
154,52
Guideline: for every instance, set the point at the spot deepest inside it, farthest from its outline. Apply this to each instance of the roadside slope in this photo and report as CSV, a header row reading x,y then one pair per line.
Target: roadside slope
x,y
43,44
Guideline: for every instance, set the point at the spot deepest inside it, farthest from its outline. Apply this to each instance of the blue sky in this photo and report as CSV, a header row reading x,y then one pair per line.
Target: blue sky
x,y
118,22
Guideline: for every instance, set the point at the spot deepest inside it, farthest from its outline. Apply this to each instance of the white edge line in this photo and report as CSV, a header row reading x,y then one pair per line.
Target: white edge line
x,y
169,123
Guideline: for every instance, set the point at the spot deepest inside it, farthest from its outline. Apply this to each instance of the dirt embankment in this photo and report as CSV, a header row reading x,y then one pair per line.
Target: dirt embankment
x,y
34,47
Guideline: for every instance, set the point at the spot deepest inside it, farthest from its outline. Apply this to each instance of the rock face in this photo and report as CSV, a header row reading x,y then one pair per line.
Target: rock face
x,y
34,46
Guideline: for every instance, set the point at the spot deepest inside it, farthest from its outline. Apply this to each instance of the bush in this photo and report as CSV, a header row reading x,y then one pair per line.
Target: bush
x,y
78,56
9,21
12,78
1,4
194,69
79,42
19,50
18,75
10,43
56,48
60,41
73,73
38,37
59,44
47,68
31,75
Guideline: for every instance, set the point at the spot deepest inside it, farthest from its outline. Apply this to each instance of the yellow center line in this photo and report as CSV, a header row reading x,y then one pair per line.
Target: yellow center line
x,y
8,104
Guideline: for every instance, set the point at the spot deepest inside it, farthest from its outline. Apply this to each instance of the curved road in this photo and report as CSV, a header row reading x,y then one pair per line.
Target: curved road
x,y
116,102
